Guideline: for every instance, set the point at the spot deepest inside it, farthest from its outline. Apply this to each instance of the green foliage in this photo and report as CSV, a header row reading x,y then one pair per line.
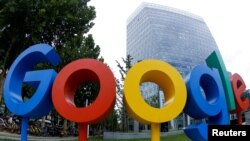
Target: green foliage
x,y
123,69
29,91
109,124
86,92
78,47
60,23
153,100
81,47
63,24
27,22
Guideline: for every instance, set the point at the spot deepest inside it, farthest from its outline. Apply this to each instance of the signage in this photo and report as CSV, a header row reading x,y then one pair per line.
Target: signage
x,y
207,92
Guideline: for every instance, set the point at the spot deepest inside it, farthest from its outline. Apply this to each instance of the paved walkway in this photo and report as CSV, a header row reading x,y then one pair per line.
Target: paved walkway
x,y
6,135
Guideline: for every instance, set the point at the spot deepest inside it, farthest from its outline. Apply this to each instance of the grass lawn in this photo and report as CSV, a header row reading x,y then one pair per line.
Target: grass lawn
x,y
180,137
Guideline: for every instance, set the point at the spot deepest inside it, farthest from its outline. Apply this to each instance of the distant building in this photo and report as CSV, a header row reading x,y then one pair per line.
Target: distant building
x,y
180,38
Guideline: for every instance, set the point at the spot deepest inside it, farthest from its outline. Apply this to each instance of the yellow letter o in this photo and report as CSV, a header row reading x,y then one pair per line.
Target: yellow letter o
x,y
170,81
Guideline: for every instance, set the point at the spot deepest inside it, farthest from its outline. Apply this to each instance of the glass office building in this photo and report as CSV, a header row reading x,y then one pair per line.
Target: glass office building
x,y
158,32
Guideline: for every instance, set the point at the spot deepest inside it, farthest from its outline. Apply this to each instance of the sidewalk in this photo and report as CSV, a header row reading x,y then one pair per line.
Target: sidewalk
x,y
6,135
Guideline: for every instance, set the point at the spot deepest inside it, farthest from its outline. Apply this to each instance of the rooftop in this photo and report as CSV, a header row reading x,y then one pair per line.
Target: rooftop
x,y
161,7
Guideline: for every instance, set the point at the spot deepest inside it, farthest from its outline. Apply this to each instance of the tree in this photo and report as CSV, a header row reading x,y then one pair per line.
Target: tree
x,y
86,91
81,47
119,85
27,22
62,24
109,124
153,101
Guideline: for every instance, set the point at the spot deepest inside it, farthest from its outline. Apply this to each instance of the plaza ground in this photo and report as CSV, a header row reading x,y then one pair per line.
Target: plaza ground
x,y
14,137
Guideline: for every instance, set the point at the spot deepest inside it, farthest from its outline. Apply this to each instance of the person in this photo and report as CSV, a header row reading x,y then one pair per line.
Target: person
x,y
45,131
72,130
10,120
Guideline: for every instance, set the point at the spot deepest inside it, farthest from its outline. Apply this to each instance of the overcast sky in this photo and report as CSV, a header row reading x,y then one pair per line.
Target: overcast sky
x,y
228,21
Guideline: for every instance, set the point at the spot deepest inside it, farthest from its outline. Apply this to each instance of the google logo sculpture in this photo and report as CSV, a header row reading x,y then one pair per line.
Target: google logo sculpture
x,y
223,93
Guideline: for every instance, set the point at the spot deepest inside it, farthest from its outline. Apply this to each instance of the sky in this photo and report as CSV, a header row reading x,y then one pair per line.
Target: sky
x,y
228,21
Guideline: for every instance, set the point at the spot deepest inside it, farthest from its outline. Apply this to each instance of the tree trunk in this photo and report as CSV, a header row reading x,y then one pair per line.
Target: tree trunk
x,y
2,78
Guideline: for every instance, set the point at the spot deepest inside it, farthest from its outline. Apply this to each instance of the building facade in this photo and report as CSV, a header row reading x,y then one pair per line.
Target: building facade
x,y
180,38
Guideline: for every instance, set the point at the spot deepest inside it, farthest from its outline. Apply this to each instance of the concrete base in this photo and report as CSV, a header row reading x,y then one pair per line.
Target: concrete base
x,y
122,135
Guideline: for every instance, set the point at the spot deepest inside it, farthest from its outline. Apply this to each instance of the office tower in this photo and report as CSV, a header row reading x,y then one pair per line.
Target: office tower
x,y
158,32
